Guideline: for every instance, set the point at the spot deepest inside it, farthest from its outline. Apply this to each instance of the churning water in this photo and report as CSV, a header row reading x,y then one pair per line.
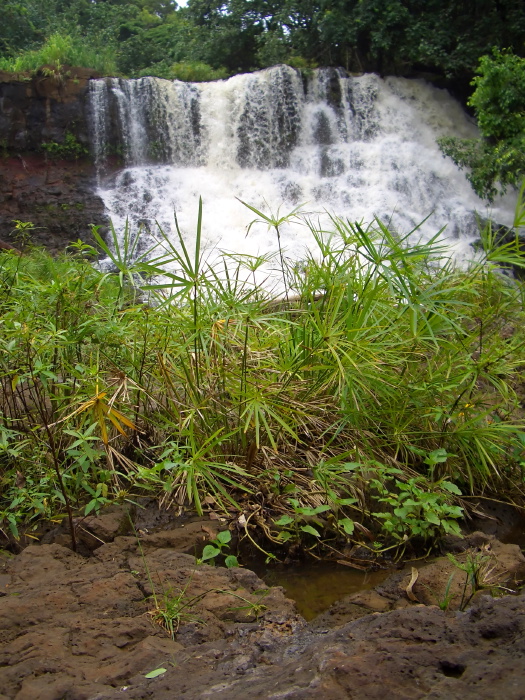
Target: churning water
x,y
355,147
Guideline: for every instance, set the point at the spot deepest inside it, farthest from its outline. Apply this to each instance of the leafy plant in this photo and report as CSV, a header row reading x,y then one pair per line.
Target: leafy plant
x,y
419,508
275,222
69,149
216,548
361,407
194,72
300,521
496,160
255,608
61,49
476,567
172,609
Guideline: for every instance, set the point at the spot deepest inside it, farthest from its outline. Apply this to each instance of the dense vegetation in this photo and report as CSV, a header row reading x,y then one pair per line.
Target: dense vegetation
x,y
153,37
369,404
366,405
497,159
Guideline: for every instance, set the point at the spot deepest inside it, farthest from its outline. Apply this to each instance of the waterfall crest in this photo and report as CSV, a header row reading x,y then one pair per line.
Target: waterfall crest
x,y
355,147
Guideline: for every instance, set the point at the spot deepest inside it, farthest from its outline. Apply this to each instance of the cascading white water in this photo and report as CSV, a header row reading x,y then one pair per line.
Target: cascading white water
x,y
355,147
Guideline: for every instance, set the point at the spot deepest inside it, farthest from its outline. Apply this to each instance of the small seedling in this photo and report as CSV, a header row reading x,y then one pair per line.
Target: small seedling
x,y
172,609
215,549
257,609
476,568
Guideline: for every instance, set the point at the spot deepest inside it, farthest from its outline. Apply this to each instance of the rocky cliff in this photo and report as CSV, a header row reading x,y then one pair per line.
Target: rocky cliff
x,y
46,174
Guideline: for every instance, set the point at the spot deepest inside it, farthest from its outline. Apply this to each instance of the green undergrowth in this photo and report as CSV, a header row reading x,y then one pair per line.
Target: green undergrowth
x,y
61,50
367,405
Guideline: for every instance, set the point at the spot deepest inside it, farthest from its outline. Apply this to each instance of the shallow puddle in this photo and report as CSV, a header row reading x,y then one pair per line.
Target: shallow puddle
x,y
314,586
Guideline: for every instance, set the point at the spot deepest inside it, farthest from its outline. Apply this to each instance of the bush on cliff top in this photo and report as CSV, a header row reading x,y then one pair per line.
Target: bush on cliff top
x,y
60,50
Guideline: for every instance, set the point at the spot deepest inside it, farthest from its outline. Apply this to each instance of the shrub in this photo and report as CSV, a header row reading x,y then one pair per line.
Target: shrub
x,y
381,386
497,160
60,50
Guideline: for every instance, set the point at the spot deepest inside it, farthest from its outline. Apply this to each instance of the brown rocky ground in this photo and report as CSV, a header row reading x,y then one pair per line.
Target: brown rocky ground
x,y
81,628
74,627
57,197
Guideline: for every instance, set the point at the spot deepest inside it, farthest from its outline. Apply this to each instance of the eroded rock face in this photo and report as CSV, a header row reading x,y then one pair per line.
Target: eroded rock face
x,y
57,197
73,627
82,629
43,108
44,178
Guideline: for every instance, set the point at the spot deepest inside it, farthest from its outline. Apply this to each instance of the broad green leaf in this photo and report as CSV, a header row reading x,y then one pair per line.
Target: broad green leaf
x,y
155,673
209,552
452,488
224,537
346,501
89,507
437,457
347,525
433,518
351,466
285,536
310,530
284,520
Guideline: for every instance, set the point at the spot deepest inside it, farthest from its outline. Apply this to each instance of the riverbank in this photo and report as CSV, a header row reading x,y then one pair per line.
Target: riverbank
x,y
92,628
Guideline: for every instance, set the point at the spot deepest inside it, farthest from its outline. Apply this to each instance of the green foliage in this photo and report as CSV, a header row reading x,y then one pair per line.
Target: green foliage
x,y
498,158
171,609
139,37
188,71
499,97
419,508
477,569
367,400
215,549
18,31
301,521
196,72
69,149
60,50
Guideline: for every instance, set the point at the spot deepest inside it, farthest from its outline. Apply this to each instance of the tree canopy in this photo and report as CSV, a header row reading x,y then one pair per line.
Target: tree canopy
x,y
497,159
389,36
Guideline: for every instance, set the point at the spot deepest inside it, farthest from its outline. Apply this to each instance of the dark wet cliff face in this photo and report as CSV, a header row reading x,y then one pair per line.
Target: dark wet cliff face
x,y
46,174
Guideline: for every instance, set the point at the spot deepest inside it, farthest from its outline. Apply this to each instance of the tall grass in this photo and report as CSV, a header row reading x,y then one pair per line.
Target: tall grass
x,y
63,49
388,381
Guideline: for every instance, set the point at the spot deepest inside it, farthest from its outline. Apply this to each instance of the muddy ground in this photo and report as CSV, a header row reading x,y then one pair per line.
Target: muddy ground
x,y
76,627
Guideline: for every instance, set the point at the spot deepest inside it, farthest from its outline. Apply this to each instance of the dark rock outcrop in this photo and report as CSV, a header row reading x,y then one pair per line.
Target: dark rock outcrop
x,y
43,108
46,174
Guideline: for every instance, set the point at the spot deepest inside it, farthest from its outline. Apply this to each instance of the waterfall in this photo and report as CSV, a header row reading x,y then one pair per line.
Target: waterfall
x,y
355,147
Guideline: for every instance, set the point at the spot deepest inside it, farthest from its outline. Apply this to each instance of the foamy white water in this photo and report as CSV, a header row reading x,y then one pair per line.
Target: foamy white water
x,y
354,147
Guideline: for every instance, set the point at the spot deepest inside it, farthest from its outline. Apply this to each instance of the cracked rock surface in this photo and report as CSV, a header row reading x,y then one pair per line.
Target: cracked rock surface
x,y
74,628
